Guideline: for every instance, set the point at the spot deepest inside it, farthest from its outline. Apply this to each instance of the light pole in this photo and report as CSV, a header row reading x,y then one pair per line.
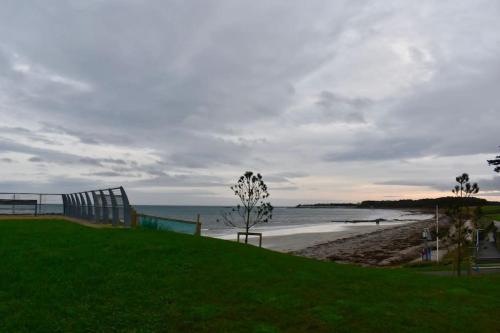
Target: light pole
x,y
437,233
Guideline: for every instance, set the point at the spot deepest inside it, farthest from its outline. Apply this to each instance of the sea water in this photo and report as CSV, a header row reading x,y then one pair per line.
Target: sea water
x,y
286,220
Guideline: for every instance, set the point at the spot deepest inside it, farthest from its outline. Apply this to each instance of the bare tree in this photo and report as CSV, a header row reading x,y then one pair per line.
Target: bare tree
x,y
253,209
460,212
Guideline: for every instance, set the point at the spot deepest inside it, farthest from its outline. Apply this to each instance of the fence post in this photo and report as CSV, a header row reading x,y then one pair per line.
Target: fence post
x,y
133,217
114,208
97,207
127,218
83,210
198,226
65,204
71,205
105,212
90,212
78,210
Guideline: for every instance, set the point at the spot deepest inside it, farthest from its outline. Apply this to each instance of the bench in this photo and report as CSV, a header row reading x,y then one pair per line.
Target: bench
x,y
19,202
258,234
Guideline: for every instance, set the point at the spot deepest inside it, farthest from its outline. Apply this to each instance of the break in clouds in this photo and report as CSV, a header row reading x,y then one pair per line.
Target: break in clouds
x,y
330,100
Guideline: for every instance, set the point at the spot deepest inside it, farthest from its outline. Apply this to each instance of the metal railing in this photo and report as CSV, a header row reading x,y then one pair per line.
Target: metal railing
x,y
101,206
109,205
24,203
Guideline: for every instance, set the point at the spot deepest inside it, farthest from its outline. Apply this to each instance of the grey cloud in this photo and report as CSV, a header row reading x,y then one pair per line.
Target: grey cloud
x,y
284,188
53,185
373,147
7,145
283,177
54,156
177,82
35,159
490,194
207,151
90,161
343,109
6,160
485,184
445,121
101,161
92,138
489,184
25,132
438,185
105,174
168,180
220,86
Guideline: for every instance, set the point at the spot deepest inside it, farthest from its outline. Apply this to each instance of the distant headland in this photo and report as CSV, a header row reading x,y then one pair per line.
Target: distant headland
x,y
404,203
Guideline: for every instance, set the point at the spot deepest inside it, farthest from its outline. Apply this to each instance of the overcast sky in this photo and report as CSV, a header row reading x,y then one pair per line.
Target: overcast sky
x,y
329,100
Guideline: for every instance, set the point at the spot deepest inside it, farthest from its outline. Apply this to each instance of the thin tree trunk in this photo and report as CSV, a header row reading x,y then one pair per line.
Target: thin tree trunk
x,y
247,226
459,248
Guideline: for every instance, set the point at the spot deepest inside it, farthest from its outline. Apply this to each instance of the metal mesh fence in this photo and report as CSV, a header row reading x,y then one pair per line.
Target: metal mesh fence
x,y
100,206
109,205
30,203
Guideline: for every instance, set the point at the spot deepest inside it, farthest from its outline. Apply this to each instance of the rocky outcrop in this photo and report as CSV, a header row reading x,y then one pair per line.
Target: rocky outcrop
x,y
385,247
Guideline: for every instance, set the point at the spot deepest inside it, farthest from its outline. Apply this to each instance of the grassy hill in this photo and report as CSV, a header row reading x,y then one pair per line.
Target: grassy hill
x,y
492,213
57,276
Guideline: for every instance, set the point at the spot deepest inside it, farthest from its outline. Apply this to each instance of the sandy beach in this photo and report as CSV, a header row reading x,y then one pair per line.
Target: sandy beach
x,y
360,243
299,241
383,247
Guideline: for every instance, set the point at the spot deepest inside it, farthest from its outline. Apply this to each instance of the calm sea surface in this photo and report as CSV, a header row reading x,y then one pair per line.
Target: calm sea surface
x,y
286,220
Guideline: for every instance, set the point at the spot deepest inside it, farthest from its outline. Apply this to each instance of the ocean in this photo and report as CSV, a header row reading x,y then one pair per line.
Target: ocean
x,y
285,221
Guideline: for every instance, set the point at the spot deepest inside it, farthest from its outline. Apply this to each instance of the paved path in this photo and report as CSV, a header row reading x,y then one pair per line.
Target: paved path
x,y
464,272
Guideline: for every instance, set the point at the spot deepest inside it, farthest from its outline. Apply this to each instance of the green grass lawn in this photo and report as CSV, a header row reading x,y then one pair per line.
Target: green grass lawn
x,y
57,276
492,212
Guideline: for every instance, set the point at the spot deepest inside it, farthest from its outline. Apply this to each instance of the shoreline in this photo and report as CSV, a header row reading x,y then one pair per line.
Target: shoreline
x,y
386,244
307,240
300,241
384,247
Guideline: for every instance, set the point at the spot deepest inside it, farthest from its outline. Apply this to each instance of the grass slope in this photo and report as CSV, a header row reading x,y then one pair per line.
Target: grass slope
x,y
492,213
57,276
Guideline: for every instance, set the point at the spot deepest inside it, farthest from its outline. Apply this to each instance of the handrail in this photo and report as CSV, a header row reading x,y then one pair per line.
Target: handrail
x,y
104,202
31,193
99,206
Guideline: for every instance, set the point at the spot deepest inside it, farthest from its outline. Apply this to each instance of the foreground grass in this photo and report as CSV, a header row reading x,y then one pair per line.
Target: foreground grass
x,y
56,276
491,213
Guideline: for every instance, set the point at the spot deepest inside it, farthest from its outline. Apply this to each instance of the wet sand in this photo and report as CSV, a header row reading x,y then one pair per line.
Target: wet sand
x,y
296,242
369,245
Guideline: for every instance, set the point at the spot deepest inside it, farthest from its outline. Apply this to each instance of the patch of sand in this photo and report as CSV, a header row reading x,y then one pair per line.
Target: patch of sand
x,y
383,247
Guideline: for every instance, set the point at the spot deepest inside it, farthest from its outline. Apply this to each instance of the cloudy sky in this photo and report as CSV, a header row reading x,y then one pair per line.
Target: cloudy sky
x,y
329,100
